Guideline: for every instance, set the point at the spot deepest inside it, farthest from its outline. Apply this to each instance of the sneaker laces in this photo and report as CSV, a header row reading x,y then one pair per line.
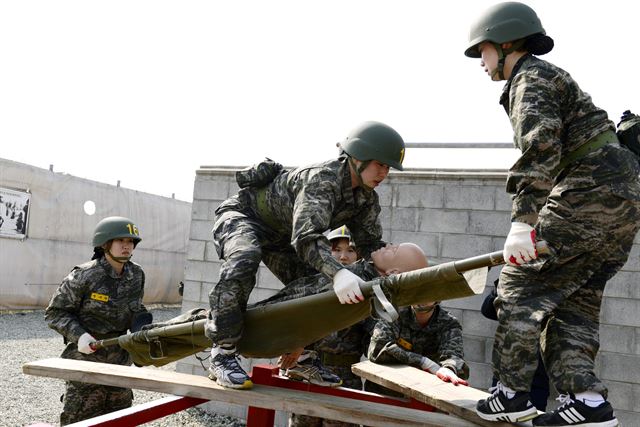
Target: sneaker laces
x,y
564,399
494,390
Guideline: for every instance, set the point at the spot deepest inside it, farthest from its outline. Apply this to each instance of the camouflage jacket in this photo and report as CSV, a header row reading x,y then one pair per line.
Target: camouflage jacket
x,y
93,299
551,116
405,341
307,201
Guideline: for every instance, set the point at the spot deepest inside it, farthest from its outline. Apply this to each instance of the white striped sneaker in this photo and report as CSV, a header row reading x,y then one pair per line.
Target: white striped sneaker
x,y
575,413
498,407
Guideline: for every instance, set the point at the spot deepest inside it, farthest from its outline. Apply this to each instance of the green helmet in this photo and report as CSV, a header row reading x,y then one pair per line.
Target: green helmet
x,y
502,23
375,141
339,233
115,227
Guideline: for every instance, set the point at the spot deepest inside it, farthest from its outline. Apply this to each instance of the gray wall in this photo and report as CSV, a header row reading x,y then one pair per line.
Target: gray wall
x,y
451,215
59,235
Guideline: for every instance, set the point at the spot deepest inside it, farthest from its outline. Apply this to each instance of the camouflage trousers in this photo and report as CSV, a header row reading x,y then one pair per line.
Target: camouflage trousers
x,y
82,401
555,301
242,241
349,380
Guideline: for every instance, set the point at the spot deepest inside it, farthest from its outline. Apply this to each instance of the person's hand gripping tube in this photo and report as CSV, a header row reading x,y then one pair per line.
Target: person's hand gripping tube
x,y
346,285
520,246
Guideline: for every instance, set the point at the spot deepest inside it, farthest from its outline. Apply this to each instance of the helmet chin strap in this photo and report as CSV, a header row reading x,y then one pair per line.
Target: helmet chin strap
x,y
502,56
359,170
118,259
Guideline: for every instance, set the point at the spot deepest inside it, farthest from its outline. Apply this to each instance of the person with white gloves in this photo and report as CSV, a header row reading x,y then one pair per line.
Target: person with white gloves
x,y
280,216
99,299
578,187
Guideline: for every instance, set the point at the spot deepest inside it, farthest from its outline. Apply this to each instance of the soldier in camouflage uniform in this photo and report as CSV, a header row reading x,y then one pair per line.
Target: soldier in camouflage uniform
x,y
279,218
574,186
98,300
425,336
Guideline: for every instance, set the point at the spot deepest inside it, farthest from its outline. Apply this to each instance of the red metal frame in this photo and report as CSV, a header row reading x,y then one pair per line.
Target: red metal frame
x,y
256,417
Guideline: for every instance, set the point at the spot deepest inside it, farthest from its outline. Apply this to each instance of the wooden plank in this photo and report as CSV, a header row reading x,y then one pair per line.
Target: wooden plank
x,y
300,402
425,387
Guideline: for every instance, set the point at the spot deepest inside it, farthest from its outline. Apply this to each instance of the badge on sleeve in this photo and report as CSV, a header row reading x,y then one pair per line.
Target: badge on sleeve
x,y
99,297
404,344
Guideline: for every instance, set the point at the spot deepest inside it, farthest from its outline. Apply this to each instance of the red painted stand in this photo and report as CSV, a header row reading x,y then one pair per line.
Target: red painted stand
x,y
268,375
256,417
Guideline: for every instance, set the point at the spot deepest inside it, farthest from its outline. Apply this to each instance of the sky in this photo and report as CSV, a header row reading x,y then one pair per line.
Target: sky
x,y
147,92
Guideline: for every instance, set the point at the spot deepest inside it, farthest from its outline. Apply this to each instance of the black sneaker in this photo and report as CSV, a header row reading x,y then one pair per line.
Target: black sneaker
x,y
227,372
498,407
311,370
575,413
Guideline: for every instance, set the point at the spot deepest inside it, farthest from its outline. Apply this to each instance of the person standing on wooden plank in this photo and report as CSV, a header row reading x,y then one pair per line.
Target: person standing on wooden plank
x,y
100,299
279,217
576,187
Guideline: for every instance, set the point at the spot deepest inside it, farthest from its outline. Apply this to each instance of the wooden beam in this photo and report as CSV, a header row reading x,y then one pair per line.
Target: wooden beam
x,y
425,387
300,402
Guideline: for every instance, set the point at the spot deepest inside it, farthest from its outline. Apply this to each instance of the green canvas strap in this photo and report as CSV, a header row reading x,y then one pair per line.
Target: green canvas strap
x,y
588,147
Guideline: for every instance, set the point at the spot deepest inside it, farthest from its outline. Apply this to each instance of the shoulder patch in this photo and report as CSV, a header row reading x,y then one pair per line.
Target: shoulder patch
x,y
99,297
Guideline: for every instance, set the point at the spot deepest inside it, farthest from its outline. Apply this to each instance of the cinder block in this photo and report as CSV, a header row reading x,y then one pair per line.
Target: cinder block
x,y
210,253
201,271
259,294
385,218
480,375
421,196
468,303
444,221
267,280
195,250
624,285
633,263
427,241
459,246
620,311
385,194
488,355
476,324
619,367
469,197
200,230
489,223
210,189
192,290
200,209
618,339
503,200
184,367
622,395
627,418
405,219
474,349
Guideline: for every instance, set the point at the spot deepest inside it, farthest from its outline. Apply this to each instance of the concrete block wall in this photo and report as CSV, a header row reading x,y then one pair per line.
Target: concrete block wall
x,y
451,215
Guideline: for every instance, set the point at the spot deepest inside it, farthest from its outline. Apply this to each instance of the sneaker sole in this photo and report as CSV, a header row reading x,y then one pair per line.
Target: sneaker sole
x,y
244,386
311,381
510,417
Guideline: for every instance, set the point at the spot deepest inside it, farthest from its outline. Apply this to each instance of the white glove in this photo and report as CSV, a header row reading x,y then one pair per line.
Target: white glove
x,y
83,343
448,376
346,286
520,246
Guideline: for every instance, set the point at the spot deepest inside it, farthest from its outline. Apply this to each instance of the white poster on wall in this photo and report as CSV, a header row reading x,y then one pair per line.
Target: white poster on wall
x,y
14,213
